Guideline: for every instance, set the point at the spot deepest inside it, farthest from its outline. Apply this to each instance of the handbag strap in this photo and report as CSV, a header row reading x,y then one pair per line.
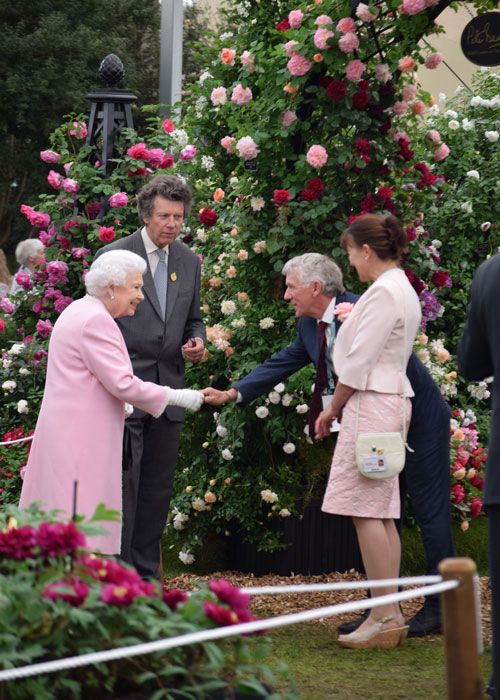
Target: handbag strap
x,y
402,371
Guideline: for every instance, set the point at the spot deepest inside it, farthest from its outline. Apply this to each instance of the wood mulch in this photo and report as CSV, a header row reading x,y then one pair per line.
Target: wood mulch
x,y
270,606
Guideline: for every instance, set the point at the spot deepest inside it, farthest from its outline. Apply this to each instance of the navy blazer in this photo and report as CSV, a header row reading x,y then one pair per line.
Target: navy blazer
x,y
429,410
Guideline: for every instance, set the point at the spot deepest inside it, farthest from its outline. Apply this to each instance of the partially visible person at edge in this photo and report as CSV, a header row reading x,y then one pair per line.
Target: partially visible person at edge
x,y
79,432
29,255
314,287
166,329
5,276
479,358
371,395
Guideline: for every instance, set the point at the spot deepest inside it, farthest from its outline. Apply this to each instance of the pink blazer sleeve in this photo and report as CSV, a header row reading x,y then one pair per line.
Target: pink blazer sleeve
x,y
104,352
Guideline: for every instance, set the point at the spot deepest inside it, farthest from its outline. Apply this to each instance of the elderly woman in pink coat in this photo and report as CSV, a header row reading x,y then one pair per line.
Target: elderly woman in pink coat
x,y
79,432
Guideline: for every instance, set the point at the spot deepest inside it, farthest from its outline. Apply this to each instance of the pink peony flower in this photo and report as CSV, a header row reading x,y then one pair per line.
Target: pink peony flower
x,y
354,70
70,185
56,539
227,142
229,594
406,64
54,179
44,328
413,7
364,14
348,43
441,152
219,614
118,200
72,591
227,56
433,136
247,148
299,65
317,156
168,126
287,118
343,310
346,25
409,92
18,542
123,594
173,597
399,108
433,60
79,130
241,95
188,152
321,37
106,234
295,18
218,96
322,20
50,156
382,73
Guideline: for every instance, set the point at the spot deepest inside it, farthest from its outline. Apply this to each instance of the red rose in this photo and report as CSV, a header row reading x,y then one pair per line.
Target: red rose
x,y
308,195
168,126
363,85
440,278
336,90
2,325
368,203
384,193
106,234
167,161
457,493
360,100
476,506
316,184
283,25
281,197
138,172
208,217
362,147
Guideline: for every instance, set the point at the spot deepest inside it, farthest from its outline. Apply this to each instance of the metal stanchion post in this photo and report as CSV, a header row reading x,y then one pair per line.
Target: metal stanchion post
x,y
461,626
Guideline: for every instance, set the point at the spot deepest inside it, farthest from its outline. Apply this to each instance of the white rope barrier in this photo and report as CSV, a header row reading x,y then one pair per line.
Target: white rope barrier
x,y
13,442
341,586
221,632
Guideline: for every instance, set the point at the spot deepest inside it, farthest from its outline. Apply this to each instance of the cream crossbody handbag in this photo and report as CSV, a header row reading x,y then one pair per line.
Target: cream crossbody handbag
x,y
382,455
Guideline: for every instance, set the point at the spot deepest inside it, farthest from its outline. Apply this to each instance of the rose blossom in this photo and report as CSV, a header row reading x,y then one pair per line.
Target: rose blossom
x,y
399,108
364,14
79,131
208,217
349,42
168,126
433,136
247,148
218,96
298,65
295,18
413,7
188,152
418,107
321,37
54,179
492,136
138,151
281,197
382,73
50,156
44,328
241,95
354,70
36,218
433,60
106,234
118,200
227,143
70,185
289,47
441,152
409,92
346,25
317,156
406,64
287,118
248,61
227,56
323,19
343,310
23,279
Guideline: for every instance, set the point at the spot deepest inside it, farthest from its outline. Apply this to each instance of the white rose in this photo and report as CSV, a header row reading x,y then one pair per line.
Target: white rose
x,y
453,125
287,399
23,371
227,454
451,114
9,385
201,235
476,101
257,203
238,323
186,557
467,124
22,406
466,207
198,504
302,408
6,363
16,349
266,323
269,496
274,397
228,307
280,388
284,513
473,174
260,247
491,136
262,412
179,520
221,431
289,448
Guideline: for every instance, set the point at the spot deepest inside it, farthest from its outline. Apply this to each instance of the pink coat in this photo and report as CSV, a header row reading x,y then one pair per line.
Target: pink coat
x,y
79,432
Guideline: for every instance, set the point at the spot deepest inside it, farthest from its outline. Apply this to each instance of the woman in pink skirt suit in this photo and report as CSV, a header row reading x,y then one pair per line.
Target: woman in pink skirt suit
x,y
372,394
79,432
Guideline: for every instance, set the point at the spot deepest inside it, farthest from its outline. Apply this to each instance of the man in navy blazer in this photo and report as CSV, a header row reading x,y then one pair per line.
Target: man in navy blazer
x,y
314,286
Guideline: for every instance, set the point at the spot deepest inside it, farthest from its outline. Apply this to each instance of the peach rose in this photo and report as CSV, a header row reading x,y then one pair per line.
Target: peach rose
x,y
227,56
218,195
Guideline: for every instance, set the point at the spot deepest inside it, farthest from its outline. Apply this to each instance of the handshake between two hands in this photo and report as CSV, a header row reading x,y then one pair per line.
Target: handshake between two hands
x,y
194,399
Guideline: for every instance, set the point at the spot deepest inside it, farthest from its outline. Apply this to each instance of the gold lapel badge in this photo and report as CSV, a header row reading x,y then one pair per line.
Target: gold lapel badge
x,y
173,277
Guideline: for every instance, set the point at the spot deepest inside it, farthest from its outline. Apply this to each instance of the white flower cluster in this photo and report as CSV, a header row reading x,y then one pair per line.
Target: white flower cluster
x,y
9,386
228,307
266,323
478,101
207,163
179,519
16,349
186,557
479,390
269,496
22,406
180,137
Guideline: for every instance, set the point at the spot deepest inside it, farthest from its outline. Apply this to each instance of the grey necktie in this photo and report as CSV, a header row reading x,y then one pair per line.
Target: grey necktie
x,y
161,279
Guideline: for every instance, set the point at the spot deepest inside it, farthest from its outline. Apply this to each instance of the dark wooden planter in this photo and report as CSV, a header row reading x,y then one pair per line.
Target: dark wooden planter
x,y
317,543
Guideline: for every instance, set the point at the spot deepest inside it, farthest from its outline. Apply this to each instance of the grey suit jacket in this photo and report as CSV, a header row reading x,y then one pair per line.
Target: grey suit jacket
x,y
155,345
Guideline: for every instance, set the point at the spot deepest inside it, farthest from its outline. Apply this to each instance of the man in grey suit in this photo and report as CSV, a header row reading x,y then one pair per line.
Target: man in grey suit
x,y
479,358
166,326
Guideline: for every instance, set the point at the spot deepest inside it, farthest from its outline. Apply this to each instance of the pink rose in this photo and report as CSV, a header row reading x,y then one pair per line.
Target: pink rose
x,y
45,238
321,37
382,73
247,60
79,130
288,118
441,152
227,143
354,70
343,310
138,151
155,157
54,179
289,47
418,107
295,18
6,305
317,156
322,20
118,200
433,60
346,25
406,64
409,92
44,328
434,137
188,152
23,279
168,126
218,96
399,108
413,7
241,95
348,43
247,148
227,56
67,167
106,234
36,218
298,65
364,14
2,330
70,185
50,156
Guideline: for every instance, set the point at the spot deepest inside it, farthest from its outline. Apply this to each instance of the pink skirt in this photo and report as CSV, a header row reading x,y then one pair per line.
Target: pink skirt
x,y
348,492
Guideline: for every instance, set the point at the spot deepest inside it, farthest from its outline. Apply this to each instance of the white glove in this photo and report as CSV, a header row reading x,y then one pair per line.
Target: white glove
x,y
185,398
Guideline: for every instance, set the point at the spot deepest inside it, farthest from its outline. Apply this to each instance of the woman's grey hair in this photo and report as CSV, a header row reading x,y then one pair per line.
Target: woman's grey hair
x,y
28,249
114,267
168,187
314,267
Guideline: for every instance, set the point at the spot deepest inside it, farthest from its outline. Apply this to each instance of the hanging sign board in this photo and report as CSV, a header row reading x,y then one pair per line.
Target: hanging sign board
x,y
481,39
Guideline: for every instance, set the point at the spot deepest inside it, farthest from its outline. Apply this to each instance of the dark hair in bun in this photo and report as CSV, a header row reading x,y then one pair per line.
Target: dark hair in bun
x,y
384,234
